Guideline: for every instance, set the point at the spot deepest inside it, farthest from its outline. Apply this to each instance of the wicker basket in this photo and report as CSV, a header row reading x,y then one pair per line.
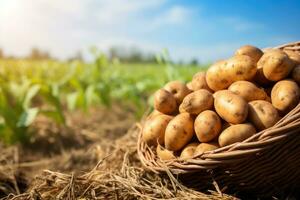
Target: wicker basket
x,y
266,163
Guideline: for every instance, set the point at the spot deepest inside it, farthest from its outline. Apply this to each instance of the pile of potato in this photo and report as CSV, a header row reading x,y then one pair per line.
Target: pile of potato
x,y
233,100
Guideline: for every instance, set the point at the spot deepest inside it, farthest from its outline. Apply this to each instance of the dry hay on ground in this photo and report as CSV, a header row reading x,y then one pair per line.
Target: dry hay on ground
x,y
119,175
10,179
72,148
86,140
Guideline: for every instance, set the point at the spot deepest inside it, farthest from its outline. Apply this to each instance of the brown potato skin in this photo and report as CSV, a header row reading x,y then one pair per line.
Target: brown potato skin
x,y
207,126
196,102
188,151
223,73
189,86
276,65
236,133
251,51
296,74
178,89
285,96
164,154
179,132
247,90
225,125
293,56
268,99
164,102
215,76
262,114
231,107
268,90
260,77
153,114
154,129
241,67
204,147
199,82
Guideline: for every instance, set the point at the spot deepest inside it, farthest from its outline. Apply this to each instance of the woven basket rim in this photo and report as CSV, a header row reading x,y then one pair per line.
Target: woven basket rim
x,y
285,127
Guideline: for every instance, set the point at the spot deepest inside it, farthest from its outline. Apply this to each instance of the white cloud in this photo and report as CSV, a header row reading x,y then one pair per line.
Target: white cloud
x,y
118,11
241,25
174,16
63,27
66,26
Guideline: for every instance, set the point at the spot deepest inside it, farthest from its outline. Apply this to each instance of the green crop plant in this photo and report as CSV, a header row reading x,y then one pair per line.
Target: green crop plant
x,y
29,88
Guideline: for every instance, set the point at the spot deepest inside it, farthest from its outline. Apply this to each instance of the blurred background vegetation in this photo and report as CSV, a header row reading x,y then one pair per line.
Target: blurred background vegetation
x,y
39,84
46,67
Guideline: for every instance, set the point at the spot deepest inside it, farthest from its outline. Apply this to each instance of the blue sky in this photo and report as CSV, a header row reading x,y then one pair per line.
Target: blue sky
x,y
206,29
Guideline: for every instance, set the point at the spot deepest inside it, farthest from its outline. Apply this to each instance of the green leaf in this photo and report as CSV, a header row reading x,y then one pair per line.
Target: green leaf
x,y
47,93
104,92
33,90
166,55
90,95
6,134
53,115
159,59
72,100
27,117
55,90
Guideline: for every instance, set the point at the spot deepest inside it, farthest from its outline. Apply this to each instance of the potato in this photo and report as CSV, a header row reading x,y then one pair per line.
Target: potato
x,y
164,154
231,107
179,132
199,82
197,102
154,129
225,125
204,147
215,76
296,74
241,67
268,99
260,77
178,89
220,75
236,133
189,86
268,90
153,114
285,95
293,56
268,49
188,151
276,65
247,90
251,51
207,126
262,114
164,102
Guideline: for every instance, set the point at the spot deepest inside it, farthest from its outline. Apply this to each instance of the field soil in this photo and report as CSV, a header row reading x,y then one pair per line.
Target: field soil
x,y
92,157
76,147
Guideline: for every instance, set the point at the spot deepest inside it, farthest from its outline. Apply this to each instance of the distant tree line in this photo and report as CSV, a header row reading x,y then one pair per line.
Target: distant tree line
x,y
131,55
38,54
135,55
123,54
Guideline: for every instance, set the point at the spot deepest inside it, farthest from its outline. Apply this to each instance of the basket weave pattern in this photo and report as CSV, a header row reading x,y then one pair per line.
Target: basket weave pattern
x,y
267,162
